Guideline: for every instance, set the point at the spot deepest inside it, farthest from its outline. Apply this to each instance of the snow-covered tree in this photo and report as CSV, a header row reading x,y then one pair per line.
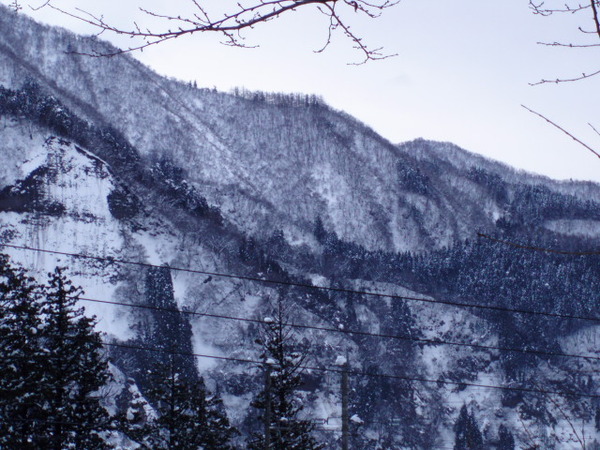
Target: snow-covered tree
x,y
75,369
506,441
283,363
52,365
219,432
187,416
134,420
468,435
20,355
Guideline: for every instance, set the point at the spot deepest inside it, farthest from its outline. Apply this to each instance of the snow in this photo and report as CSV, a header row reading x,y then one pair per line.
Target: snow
x,y
318,280
574,227
340,361
83,187
22,148
202,347
356,419
267,169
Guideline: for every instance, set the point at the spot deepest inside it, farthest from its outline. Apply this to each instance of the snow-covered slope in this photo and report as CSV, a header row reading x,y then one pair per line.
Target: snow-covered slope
x,y
105,158
269,162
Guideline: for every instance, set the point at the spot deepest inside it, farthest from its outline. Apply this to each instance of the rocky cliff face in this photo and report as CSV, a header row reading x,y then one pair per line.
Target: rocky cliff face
x,y
104,158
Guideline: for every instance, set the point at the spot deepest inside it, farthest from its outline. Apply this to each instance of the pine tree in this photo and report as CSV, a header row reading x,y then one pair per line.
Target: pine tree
x,y
170,330
218,431
20,372
74,370
506,441
179,405
468,436
135,422
283,362
402,352
52,368
187,417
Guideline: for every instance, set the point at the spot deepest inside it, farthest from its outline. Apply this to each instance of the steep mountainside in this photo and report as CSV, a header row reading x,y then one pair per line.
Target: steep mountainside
x,y
249,153
264,196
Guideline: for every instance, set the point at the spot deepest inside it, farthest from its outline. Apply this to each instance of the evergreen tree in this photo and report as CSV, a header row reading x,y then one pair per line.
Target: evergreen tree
x,y
468,435
180,406
52,368
506,441
135,422
170,330
218,432
283,362
21,374
187,417
74,370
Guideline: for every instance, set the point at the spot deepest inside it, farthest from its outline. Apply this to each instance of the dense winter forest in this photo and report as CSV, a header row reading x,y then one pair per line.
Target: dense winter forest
x,y
261,271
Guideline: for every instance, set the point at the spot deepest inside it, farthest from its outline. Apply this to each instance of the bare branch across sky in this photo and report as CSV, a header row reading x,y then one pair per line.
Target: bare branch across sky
x,y
232,20
589,29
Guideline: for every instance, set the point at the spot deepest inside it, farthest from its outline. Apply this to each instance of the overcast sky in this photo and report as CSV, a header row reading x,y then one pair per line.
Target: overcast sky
x,y
461,73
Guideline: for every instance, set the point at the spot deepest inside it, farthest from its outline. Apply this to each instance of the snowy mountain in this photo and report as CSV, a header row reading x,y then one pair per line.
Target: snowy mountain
x,y
105,159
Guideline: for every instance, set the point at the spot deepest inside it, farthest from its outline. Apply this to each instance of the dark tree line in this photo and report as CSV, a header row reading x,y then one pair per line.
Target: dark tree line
x,y
280,99
32,102
468,436
53,365
54,372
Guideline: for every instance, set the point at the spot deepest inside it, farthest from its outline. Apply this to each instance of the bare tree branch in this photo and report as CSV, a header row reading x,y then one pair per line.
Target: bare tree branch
x,y
246,15
15,6
570,45
593,128
539,8
591,10
583,76
37,8
563,130
595,13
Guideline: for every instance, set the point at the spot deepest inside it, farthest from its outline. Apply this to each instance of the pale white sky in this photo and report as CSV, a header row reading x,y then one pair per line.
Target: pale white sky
x,y
461,73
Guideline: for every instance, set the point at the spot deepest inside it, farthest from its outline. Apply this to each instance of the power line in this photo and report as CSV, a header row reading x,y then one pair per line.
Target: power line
x,y
357,373
353,372
338,371
311,286
348,331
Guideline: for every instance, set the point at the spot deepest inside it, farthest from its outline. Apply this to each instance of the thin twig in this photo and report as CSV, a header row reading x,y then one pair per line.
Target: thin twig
x,y
561,44
232,23
592,126
567,80
542,10
563,130
595,14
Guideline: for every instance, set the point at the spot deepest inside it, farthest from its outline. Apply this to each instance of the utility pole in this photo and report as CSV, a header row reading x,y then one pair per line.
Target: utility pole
x,y
268,407
345,418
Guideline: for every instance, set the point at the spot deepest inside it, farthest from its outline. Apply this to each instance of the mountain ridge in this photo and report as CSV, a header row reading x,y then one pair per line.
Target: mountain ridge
x,y
197,138
107,159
